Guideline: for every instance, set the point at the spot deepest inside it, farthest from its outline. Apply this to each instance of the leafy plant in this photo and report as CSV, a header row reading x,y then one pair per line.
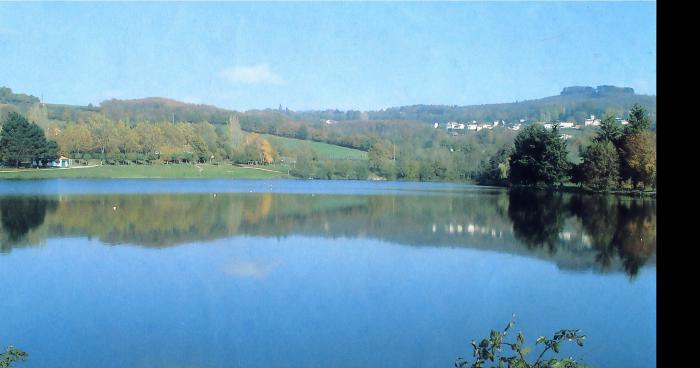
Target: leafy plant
x,y
490,351
11,355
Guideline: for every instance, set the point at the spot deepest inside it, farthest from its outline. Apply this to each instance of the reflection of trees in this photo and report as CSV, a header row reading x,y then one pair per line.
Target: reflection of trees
x,y
636,234
19,215
599,219
549,225
617,227
538,217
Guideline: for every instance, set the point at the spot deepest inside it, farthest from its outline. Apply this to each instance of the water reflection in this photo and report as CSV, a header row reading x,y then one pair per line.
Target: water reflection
x,y
19,215
577,232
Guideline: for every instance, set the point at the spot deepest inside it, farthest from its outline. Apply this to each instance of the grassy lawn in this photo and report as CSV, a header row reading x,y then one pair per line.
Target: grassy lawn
x,y
178,171
325,150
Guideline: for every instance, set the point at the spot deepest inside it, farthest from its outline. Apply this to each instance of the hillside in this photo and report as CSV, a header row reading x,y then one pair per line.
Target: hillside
x,y
572,104
324,150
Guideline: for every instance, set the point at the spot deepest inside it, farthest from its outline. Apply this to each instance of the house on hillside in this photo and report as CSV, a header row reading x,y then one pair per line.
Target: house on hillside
x,y
566,124
592,121
455,125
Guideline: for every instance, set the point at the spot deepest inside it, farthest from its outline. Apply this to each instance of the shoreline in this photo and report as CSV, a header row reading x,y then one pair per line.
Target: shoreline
x,y
227,171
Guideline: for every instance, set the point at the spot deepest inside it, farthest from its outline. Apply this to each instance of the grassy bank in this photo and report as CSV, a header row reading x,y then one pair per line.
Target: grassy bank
x,y
155,171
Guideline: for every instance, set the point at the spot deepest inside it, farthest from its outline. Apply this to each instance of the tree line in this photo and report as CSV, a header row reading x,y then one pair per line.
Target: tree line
x,y
619,157
23,143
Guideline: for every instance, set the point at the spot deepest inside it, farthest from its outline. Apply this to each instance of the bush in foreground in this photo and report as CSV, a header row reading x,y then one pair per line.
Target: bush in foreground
x,y
490,351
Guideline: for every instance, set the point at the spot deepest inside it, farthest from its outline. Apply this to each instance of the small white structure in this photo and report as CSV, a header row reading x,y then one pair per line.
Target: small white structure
x,y
548,125
455,125
566,136
622,121
472,127
592,121
515,127
566,125
62,161
436,125
331,122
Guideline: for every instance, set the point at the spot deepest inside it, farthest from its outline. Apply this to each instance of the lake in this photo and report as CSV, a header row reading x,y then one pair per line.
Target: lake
x,y
294,273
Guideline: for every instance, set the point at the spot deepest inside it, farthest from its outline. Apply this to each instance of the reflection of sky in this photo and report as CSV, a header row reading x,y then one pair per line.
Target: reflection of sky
x,y
142,186
249,268
320,302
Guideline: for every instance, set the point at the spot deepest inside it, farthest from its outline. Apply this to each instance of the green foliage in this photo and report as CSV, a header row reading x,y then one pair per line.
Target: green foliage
x,y
610,131
490,350
539,157
638,120
496,170
11,355
600,169
22,141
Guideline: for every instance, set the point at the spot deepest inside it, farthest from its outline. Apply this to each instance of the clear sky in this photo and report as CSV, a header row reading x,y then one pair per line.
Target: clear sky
x,y
324,55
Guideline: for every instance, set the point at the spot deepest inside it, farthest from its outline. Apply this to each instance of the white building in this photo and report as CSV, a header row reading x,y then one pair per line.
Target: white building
x,y
566,124
455,125
592,121
436,125
472,127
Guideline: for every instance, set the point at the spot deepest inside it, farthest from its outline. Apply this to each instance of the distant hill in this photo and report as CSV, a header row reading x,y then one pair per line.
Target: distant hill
x,y
574,103
163,109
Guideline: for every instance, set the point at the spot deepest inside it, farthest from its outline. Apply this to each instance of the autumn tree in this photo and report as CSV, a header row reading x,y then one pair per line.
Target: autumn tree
x,y
101,131
75,139
639,154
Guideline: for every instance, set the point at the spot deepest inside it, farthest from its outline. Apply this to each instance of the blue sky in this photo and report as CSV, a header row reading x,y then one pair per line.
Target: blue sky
x,y
324,55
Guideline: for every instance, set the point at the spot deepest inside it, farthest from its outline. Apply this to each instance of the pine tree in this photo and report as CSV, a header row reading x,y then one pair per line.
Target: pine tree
x,y
22,141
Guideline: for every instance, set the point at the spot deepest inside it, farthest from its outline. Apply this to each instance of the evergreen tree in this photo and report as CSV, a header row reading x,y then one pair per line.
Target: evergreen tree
x,y
22,141
610,132
638,120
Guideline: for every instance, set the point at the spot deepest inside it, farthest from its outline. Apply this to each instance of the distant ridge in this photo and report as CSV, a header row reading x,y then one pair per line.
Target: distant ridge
x,y
574,103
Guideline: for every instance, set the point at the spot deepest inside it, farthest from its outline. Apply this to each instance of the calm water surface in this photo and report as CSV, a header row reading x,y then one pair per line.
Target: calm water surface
x,y
247,273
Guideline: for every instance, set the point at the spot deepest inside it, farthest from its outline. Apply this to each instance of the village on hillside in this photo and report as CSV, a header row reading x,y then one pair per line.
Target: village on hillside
x,y
456,127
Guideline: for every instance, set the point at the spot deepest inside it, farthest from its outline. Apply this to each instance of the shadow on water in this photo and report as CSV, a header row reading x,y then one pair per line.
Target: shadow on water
x,y
577,232
19,215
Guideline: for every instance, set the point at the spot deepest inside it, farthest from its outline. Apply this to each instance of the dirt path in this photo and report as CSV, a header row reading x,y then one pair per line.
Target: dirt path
x,y
260,168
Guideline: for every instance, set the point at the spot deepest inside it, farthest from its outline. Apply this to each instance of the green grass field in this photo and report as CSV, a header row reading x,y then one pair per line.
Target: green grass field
x,y
325,150
155,171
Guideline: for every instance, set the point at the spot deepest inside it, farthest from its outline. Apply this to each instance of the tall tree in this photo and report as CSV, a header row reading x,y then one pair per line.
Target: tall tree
x,y
22,141
610,131
539,157
601,166
639,155
638,120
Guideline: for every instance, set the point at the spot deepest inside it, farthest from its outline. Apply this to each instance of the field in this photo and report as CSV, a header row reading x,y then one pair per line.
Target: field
x,y
324,150
156,171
